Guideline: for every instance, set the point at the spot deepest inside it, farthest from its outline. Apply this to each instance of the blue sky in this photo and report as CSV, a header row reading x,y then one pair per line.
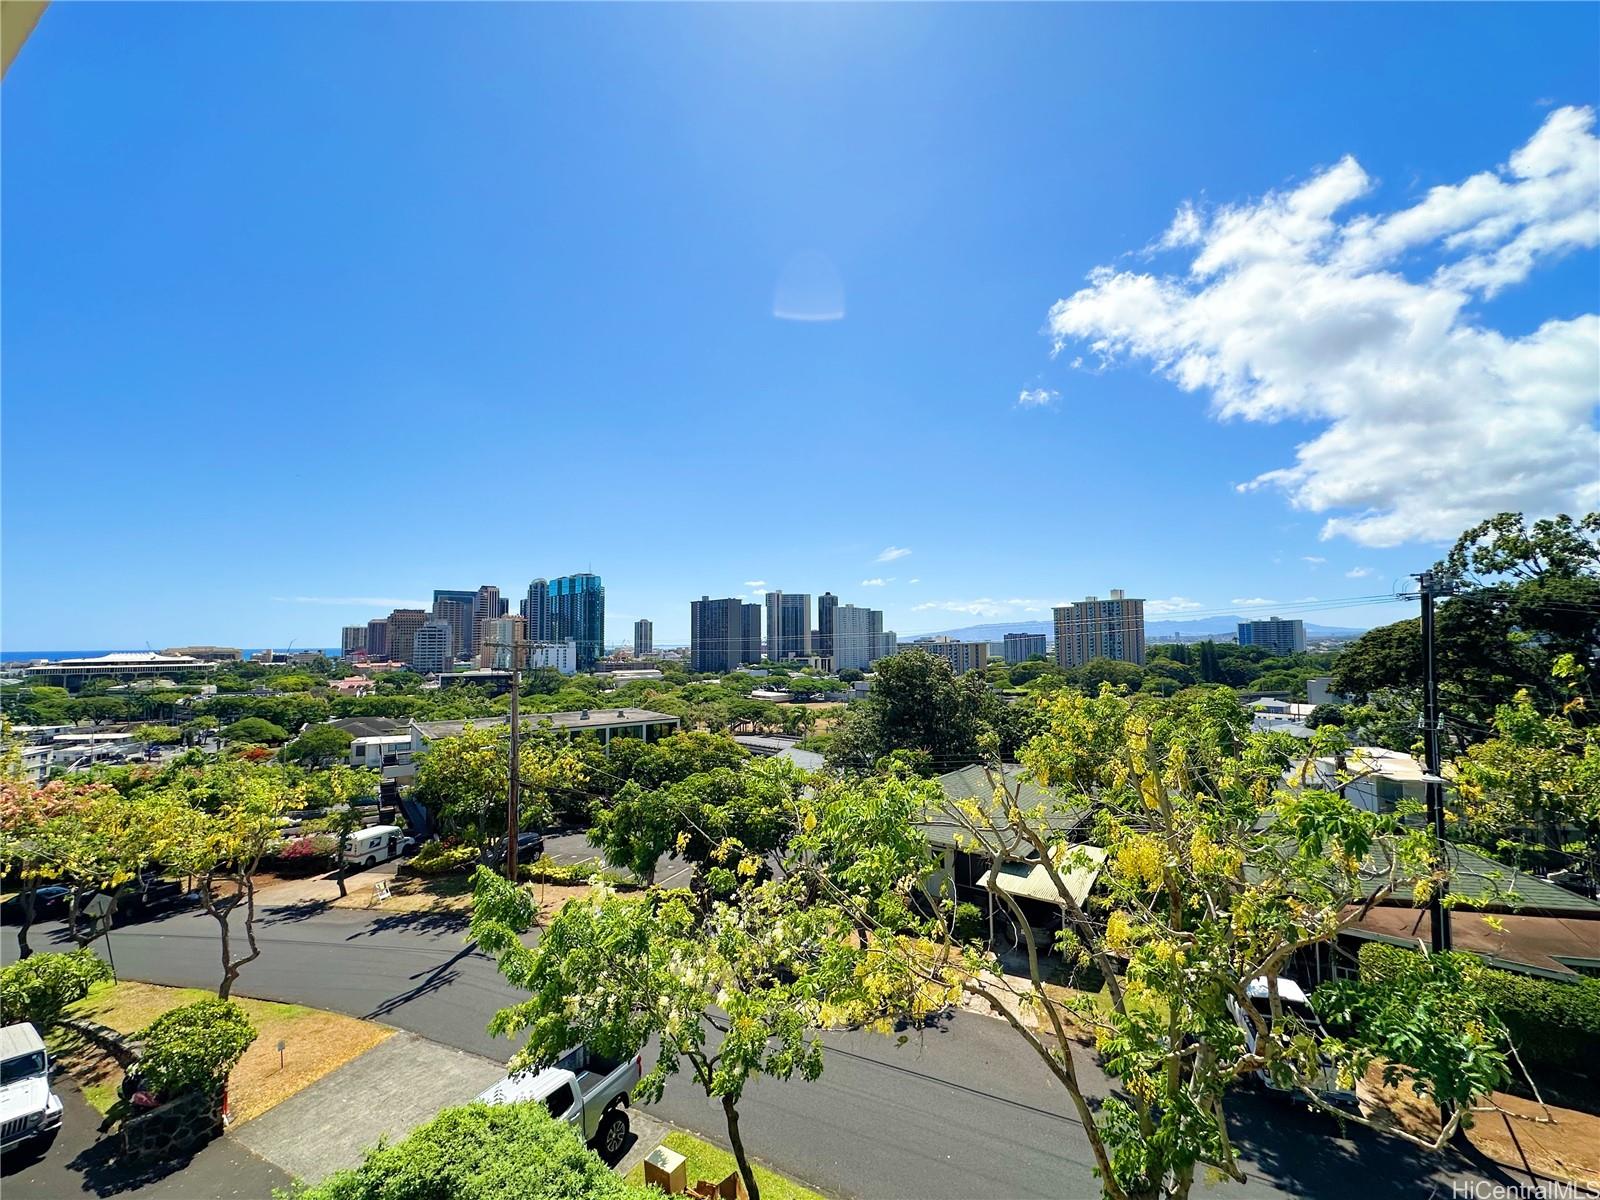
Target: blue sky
x,y
309,309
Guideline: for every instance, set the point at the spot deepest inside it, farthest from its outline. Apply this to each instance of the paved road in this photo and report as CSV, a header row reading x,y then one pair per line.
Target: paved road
x,y
959,1111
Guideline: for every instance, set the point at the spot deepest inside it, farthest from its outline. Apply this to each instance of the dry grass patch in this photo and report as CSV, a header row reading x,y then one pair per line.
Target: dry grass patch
x,y
315,1043
414,894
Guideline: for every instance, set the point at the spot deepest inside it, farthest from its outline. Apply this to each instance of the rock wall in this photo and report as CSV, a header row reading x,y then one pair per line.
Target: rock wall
x,y
177,1128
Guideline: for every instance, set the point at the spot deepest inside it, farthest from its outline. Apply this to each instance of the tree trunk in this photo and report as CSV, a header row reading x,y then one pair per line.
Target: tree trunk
x,y
29,891
746,1171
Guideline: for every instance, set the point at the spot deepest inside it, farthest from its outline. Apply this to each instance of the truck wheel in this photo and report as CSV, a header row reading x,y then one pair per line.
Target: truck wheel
x,y
370,863
612,1135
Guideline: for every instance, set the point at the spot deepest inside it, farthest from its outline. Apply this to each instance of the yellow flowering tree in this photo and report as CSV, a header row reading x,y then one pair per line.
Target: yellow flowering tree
x,y
1174,867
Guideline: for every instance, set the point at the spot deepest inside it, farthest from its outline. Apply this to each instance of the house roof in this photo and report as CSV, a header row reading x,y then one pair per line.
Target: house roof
x,y
589,718
1509,889
973,784
1031,881
360,727
1522,942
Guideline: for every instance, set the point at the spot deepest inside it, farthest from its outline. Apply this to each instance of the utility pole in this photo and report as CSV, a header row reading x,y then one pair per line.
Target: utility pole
x,y
1426,585
514,790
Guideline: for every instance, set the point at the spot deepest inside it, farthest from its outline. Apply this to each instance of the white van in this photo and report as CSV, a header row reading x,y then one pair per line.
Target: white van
x,y
370,846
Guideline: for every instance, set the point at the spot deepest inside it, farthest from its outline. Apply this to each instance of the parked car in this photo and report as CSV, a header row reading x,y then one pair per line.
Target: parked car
x,y
530,845
1296,1009
582,1088
370,846
48,902
29,1110
148,895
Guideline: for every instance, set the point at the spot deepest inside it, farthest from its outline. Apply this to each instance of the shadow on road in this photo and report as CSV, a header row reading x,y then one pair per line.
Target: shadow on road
x,y
1308,1153
437,979
447,920
105,1173
283,914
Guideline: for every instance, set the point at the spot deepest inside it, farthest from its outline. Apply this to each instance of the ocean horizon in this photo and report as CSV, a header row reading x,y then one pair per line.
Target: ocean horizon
x,y
8,656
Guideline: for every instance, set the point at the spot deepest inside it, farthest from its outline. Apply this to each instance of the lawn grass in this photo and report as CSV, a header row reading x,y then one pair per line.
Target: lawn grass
x,y
714,1163
315,1043
415,894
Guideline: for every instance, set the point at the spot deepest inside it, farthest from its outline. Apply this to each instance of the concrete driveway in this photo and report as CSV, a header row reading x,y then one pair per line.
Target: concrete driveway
x,y
79,1165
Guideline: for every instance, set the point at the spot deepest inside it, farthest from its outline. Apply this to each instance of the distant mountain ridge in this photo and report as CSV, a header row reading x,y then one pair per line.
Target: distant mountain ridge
x,y
1217,626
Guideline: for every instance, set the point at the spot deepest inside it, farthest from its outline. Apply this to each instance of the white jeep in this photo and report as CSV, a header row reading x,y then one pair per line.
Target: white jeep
x,y
28,1108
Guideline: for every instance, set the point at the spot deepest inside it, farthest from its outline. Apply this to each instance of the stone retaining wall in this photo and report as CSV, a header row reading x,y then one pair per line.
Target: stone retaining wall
x,y
121,1047
175,1129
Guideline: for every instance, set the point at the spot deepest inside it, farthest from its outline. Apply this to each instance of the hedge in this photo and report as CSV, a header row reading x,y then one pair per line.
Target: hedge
x,y
37,989
1551,1022
478,1152
437,858
192,1048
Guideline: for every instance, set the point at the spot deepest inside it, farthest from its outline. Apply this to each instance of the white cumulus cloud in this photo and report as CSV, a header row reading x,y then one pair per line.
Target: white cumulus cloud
x,y
1365,324
755,583
984,606
890,553
877,582
1173,604
1359,573
1316,560
1252,602
1037,398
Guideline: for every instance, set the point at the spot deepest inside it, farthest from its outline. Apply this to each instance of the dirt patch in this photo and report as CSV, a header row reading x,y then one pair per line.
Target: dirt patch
x,y
1560,1143
413,894
315,1043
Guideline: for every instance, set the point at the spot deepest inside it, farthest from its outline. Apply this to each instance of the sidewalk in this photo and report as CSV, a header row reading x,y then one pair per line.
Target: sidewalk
x,y
319,890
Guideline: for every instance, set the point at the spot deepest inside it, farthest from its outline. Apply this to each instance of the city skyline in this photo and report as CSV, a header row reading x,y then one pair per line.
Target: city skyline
x,y
788,218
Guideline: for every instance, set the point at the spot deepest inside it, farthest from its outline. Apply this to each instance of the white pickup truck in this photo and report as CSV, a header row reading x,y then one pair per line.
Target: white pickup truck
x,y
28,1108
583,1089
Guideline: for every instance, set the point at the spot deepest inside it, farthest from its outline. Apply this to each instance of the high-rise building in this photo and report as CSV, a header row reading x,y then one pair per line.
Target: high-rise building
x,y
788,625
485,608
962,656
352,640
1095,628
403,624
535,608
720,634
859,639
578,612
458,608
378,639
430,647
1275,634
557,656
498,644
823,642
1020,647
643,638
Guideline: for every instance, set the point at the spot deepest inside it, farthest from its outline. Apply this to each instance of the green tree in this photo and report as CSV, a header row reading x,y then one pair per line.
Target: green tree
x,y
216,824
255,730
319,745
917,703
193,1048
338,789
611,973
1207,873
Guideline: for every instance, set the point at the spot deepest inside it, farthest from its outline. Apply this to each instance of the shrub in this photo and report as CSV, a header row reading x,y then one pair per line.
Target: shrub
x,y
255,729
1550,1021
970,925
37,989
547,870
306,846
478,1152
192,1048
438,858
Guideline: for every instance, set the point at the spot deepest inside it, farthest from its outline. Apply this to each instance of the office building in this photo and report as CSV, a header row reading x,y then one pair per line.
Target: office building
x,y
719,634
1095,628
556,656
217,654
962,656
535,609
498,642
851,636
788,625
822,643
403,624
1275,634
352,640
643,638
457,606
1020,647
378,639
486,606
578,613
430,647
